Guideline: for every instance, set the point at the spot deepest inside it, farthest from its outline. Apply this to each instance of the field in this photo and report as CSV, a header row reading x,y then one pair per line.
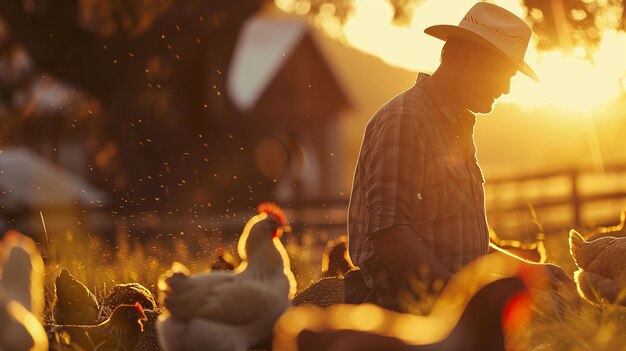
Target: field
x,y
561,322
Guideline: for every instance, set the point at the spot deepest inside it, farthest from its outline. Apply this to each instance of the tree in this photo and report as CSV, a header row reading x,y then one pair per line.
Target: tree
x,y
559,24
565,24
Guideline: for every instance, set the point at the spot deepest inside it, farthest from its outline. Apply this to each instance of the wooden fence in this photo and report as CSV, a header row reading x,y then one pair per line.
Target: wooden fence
x,y
579,198
563,199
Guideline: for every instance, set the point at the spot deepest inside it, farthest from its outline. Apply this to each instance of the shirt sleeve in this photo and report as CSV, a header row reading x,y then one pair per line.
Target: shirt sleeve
x,y
394,173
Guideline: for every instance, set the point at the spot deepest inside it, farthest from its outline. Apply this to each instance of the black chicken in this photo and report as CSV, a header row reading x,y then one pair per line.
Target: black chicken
x,y
324,293
329,290
149,339
336,262
74,304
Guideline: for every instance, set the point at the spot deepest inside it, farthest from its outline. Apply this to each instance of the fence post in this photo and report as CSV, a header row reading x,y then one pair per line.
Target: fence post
x,y
575,198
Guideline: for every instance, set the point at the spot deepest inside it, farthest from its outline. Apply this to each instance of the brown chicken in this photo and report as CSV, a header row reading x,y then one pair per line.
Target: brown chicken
x,y
74,304
125,294
601,278
128,294
120,332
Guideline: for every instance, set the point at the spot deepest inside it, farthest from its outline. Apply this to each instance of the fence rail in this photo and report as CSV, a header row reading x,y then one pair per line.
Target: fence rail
x,y
604,189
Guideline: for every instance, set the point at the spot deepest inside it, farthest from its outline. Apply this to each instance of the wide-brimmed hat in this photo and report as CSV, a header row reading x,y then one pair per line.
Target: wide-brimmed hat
x,y
491,26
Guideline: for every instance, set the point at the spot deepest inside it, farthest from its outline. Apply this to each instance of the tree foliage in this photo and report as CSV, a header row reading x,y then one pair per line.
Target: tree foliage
x,y
558,24
566,24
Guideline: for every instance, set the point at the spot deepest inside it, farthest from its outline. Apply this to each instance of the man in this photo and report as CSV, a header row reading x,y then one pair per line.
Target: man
x,y
417,212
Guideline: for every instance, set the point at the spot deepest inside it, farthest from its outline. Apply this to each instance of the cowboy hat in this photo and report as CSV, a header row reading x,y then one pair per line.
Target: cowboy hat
x,y
493,27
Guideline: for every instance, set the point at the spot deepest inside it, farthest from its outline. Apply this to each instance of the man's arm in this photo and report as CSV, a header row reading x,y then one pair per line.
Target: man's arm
x,y
403,252
556,273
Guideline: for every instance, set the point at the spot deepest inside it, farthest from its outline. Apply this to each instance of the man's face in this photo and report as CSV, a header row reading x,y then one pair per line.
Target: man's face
x,y
487,77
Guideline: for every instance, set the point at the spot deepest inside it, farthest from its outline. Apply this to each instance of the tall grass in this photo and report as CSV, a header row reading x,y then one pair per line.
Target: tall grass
x,y
100,264
561,321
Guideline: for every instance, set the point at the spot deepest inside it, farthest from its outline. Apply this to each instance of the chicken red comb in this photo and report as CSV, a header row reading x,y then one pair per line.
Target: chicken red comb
x,y
139,307
273,209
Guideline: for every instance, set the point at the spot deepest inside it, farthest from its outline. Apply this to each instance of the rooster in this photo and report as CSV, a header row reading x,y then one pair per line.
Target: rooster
x,y
224,310
601,277
75,303
21,295
120,331
481,304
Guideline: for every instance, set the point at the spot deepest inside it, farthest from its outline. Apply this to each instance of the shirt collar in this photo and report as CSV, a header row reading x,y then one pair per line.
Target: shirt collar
x,y
451,111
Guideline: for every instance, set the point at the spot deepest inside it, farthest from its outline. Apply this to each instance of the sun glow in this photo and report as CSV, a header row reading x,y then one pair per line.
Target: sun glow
x,y
567,81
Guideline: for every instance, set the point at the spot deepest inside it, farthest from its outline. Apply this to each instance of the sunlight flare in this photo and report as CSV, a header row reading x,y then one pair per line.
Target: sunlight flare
x,y
568,81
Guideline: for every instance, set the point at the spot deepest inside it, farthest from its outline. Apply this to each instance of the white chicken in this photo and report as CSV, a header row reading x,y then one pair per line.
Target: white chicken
x,y
601,277
21,295
231,310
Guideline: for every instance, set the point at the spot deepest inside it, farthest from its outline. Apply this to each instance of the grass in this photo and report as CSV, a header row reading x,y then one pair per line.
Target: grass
x,y
561,321
100,265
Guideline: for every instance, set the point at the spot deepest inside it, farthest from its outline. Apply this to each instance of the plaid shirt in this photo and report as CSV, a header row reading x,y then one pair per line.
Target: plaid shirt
x,y
417,170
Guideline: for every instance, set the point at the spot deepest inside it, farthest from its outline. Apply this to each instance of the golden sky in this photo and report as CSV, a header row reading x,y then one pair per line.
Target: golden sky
x,y
568,82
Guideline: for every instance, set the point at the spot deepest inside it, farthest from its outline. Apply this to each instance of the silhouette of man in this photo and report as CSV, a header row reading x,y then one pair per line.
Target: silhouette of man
x,y
417,209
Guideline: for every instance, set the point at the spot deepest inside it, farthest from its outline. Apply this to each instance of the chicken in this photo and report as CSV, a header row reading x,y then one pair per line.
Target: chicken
x,y
127,294
481,304
75,303
329,290
222,262
120,332
223,310
21,295
336,261
324,293
149,339
601,277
